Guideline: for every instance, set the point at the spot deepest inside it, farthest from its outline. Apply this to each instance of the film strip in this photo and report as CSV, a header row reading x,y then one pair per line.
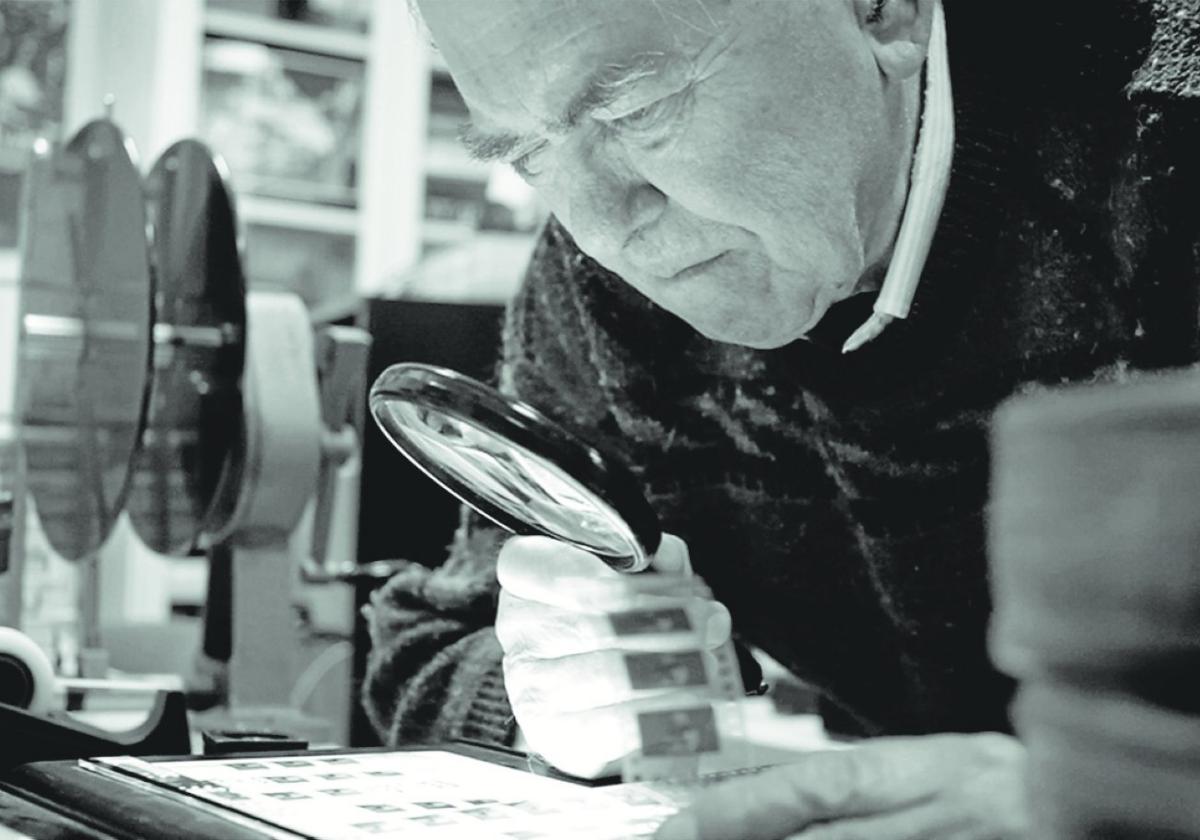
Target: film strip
x,y
688,719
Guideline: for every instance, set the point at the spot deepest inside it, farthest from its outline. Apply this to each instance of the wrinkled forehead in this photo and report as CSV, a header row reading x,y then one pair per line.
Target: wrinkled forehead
x,y
517,59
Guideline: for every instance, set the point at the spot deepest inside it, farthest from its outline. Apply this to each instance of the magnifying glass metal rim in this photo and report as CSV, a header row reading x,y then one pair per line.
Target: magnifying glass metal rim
x,y
466,399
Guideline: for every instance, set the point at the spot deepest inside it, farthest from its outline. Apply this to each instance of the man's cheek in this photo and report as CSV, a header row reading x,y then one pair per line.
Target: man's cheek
x,y
727,169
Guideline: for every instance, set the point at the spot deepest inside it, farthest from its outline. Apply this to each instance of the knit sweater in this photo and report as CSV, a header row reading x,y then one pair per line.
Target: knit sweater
x,y
837,503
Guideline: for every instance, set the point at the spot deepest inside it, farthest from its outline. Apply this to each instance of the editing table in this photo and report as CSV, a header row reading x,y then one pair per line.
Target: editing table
x,y
22,819
440,793
446,792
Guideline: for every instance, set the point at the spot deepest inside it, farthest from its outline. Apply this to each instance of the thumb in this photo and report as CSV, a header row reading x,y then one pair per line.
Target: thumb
x,y
761,808
672,557
819,786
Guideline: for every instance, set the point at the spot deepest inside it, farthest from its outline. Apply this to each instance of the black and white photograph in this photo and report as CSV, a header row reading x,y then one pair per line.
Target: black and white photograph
x,y
599,419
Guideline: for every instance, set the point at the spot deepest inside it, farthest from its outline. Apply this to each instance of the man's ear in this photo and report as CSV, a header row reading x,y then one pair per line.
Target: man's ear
x,y
898,32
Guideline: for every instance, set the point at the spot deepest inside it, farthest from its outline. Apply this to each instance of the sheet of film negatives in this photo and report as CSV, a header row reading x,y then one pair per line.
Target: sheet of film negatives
x,y
688,723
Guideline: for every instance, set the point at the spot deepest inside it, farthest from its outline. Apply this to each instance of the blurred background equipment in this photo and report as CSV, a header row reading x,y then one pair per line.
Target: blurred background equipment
x,y
83,353
340,127
85,318
191,448
150,386
32,78
1095,538
84,324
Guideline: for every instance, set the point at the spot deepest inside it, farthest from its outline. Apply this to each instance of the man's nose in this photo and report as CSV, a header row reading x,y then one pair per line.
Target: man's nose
x,y
608,200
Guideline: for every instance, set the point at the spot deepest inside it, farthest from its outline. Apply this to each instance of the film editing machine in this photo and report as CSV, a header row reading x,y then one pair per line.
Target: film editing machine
x,y
151,384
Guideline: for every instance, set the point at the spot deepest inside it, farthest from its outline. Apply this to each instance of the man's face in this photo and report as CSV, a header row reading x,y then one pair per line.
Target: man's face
x,y
737,161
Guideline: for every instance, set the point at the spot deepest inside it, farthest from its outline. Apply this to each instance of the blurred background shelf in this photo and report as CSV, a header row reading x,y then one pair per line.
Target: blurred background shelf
x,y
339,125
335,117
296,35
276,212
9,260
441,233
13,160
289,123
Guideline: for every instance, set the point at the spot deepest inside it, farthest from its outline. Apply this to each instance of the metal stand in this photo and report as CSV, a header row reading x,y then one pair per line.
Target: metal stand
x,y
12,537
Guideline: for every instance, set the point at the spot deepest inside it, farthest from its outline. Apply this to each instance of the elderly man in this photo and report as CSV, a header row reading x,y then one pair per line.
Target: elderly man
x,y
745,194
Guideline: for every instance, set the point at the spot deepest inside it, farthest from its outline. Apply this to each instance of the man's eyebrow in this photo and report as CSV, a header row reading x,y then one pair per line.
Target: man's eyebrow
x,y
609,83
603,88
492,145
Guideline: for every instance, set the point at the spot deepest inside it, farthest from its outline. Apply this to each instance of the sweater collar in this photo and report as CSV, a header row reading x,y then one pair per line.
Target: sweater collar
x,y
928,183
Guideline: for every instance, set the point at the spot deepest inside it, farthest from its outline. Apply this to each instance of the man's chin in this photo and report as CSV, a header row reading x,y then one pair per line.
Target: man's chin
x,y
756,337
773,343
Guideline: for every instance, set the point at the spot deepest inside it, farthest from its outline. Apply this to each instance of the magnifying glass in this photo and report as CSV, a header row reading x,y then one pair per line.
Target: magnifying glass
x,y
514,465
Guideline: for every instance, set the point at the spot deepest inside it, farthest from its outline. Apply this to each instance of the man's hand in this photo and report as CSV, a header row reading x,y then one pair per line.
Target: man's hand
x,y
564,662
967,787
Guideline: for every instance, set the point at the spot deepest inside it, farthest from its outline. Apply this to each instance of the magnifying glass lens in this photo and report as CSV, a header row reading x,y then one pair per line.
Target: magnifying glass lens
x,y
514,465
524,485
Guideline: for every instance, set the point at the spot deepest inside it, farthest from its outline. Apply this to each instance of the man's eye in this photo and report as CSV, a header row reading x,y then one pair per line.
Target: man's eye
x,y
529,165
653,117
645,118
